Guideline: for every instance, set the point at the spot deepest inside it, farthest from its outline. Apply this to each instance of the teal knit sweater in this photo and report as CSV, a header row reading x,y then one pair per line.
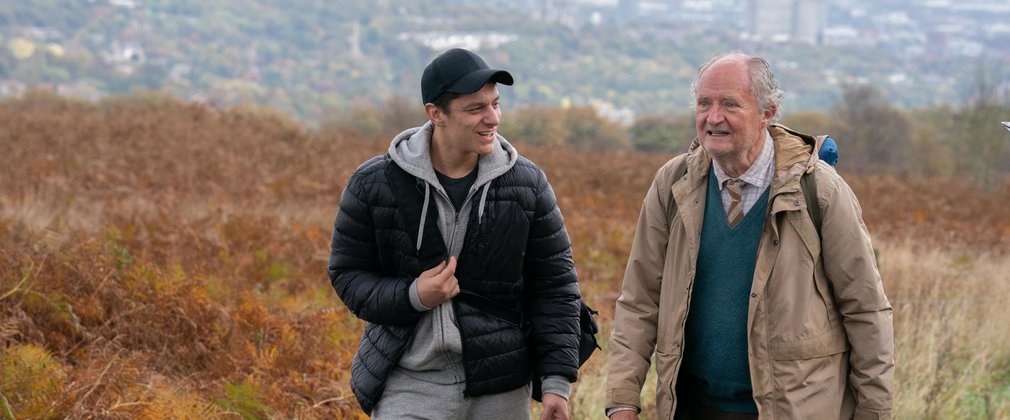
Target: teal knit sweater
x,y
715,352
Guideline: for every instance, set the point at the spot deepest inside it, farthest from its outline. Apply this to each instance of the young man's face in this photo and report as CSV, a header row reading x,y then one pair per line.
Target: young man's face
x,y
728,118
470,122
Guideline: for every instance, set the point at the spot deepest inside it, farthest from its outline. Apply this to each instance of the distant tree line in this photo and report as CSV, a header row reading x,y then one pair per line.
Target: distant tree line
x,y
873,135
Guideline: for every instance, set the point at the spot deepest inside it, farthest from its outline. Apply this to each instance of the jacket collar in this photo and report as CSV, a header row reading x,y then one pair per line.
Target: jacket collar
x,y
793,156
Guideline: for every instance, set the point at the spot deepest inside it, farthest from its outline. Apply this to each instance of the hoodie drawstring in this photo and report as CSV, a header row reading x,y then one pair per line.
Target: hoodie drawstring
x,y
424,215
483,199
424,211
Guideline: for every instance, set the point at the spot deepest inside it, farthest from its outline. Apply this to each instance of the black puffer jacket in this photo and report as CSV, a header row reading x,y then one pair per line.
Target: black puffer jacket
x,y
518,252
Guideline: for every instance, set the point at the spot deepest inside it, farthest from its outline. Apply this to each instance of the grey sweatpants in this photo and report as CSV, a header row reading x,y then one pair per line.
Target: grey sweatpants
x,y
409,398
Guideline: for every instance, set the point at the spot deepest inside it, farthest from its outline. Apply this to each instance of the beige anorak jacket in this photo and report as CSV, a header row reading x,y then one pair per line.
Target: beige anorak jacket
x,y
820,334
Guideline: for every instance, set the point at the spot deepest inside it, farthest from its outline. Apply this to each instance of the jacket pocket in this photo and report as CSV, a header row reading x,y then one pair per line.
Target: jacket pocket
x,y
831,342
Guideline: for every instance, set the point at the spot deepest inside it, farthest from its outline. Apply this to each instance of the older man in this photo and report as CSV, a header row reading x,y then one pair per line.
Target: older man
x,y
753,310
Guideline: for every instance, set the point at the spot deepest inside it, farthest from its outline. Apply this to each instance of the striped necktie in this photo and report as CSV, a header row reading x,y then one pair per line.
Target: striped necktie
x,y
735,211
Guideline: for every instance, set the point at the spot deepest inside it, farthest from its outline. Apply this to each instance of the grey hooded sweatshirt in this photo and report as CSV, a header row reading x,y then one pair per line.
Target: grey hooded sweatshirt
x,y
435,353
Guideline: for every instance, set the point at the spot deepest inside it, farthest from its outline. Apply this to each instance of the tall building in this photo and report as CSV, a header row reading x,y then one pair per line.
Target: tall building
x,y
809,20
555,12
786,20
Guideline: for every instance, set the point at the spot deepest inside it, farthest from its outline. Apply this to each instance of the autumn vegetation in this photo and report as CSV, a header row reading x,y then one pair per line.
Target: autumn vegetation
x,y
162,259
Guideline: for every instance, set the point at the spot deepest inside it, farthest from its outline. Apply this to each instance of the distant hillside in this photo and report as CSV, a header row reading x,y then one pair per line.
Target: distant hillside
x,y
314,58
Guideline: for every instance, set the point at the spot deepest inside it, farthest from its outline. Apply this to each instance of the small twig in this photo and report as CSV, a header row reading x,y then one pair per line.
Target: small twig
x,y
130,312
102,283
127,404
31,265
182,313
5,409
328,400
99,380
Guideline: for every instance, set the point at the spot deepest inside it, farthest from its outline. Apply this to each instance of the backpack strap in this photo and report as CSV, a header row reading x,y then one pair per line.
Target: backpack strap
x,y
671,206
808,183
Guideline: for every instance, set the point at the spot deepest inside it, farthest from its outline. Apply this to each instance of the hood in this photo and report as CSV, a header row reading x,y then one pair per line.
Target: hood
x,y
793,147
411,150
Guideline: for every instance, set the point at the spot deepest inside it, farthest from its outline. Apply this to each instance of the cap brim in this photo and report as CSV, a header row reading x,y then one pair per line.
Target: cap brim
x,y
477,79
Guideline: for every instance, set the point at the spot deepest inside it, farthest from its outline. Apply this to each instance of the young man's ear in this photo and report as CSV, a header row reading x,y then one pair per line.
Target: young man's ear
x,y
435,114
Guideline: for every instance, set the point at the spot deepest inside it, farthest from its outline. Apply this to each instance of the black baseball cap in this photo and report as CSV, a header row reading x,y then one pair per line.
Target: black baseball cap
x,y
458,71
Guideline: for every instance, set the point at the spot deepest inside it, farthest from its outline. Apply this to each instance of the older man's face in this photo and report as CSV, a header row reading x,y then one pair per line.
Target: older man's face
x,y
729,121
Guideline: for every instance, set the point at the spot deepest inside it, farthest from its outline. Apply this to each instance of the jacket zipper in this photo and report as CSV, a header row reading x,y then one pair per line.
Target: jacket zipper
x,y
442,313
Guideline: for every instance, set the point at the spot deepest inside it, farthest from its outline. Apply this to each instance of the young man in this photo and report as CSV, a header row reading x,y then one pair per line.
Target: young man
x,y
752,309
437,244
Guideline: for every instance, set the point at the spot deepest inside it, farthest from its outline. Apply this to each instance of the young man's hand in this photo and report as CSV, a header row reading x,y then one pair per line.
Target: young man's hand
x,y
438,284
555,407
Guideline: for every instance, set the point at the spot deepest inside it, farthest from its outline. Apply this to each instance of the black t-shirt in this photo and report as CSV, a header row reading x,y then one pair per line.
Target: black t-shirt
x,y
457,188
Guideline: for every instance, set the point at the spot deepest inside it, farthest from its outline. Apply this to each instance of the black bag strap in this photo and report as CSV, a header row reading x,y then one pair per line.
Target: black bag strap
x,y
587,322
491,307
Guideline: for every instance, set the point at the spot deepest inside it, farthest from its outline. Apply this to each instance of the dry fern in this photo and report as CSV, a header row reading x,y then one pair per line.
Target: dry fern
x,y
32,381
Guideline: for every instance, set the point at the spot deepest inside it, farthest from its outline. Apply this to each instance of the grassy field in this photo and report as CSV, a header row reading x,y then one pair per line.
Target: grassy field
x,y
165,260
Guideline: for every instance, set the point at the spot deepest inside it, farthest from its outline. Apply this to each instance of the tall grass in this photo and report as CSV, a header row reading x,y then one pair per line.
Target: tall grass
x,y
163,259
951,334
